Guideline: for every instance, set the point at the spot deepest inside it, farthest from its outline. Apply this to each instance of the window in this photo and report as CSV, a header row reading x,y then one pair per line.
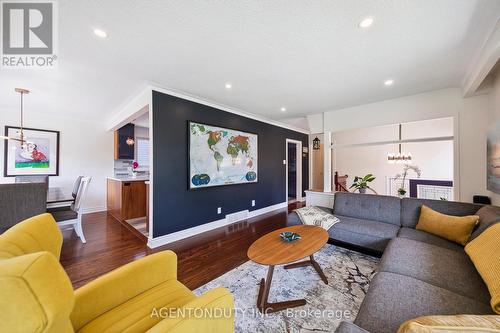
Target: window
x,y
142,145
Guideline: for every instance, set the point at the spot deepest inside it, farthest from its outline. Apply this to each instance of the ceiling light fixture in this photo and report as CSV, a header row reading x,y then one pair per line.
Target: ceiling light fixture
x,y
228,85
21,137
388,83
366,22
100,33
399,157
283,109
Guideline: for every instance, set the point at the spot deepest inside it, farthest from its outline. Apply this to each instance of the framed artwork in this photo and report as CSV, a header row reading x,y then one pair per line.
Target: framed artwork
x,y
221,156
493,160
38,156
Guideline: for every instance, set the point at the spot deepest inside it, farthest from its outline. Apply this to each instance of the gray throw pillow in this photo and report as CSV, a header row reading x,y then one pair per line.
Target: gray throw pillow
x,y
488,215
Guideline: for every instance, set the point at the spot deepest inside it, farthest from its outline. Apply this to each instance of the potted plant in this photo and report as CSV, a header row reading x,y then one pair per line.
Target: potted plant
x,y
135,165
361,183
406,168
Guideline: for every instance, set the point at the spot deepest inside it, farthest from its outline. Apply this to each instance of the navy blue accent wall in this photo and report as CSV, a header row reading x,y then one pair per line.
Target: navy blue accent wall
x,y
178,208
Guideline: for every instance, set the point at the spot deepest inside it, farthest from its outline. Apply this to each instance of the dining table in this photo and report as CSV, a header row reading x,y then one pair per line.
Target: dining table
x,y
57,195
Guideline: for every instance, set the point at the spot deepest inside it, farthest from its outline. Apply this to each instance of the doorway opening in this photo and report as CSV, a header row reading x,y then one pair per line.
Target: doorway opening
x,y
293,170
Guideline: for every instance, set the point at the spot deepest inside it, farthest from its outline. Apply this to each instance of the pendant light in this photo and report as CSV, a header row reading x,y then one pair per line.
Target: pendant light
x,y
21,137
130,141
316,144
399,157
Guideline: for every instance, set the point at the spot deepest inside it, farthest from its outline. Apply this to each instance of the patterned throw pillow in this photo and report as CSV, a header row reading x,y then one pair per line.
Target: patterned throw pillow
x,y
313,215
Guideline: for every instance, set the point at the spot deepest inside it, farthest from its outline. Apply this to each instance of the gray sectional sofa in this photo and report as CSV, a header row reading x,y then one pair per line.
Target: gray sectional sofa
x,y
419,274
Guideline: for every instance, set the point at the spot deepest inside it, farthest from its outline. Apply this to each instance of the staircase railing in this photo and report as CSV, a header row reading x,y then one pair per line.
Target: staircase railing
x,y
340,182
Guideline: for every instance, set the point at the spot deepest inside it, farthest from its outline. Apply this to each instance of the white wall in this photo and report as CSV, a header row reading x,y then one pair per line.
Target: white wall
x,y
471,118
86,148
435,159
141,132
495,96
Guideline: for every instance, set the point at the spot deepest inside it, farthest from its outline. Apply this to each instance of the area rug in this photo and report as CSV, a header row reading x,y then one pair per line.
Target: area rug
x,y
349,274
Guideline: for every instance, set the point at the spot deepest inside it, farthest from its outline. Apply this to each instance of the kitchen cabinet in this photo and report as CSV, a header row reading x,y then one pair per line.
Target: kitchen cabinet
x,y
126,198
124,151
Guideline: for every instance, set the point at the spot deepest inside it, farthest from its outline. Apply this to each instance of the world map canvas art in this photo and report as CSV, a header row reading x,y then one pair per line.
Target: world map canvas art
x,y
221,156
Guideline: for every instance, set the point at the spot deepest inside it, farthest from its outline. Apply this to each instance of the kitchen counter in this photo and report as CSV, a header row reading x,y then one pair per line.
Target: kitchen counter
x,y
126,197
129,178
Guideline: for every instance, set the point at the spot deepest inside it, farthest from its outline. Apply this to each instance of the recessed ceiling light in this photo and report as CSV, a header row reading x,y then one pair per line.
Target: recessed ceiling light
x,y
366,22
283,109
388,83
228,85
100,33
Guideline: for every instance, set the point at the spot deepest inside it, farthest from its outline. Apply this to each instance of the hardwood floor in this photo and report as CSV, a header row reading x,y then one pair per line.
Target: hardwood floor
x,y
201,258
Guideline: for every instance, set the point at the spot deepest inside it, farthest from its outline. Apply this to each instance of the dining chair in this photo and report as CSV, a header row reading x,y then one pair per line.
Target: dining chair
x,y
76,186
65,205
72,216
33,179
20,201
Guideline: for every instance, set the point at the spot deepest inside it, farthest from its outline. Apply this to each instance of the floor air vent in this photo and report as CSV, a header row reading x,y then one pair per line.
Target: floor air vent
x,y
238,216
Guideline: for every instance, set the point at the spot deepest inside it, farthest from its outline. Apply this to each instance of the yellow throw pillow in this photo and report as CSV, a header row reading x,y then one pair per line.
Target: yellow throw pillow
x,y
458,323
484,251
454,228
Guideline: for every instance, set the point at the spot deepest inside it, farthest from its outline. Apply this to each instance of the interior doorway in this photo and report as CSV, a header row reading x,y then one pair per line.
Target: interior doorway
x,y
293,170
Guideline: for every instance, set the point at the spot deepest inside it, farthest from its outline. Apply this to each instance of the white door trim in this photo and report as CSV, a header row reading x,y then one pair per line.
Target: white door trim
x,y
298,190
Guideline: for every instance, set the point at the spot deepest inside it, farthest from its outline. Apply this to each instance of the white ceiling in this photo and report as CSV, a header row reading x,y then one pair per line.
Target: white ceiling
x,y
308,56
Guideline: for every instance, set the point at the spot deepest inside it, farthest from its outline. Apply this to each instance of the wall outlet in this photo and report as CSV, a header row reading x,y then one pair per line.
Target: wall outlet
x,y
253,203
219,210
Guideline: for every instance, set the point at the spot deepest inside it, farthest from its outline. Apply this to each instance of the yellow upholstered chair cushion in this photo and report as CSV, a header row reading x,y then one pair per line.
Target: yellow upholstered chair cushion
x,y
448,324
121,285
135,315
484,251
36,295
129,298
457,229
210,313
39,233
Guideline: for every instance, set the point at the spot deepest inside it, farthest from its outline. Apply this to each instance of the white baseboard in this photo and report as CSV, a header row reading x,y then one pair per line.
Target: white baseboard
x,y
175,236
87,210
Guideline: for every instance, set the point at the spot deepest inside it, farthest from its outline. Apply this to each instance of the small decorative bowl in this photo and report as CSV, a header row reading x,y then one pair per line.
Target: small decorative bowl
x,y
289,236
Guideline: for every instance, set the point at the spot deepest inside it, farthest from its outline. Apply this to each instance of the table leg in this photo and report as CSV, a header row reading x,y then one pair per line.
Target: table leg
x,y
310,262
266,307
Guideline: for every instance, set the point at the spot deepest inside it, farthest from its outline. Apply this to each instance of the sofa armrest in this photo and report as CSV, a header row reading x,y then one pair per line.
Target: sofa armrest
x,y
122,284
293,219
210,313
348,327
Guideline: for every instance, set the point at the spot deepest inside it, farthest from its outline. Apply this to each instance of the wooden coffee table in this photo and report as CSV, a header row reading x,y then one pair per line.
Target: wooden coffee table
x,y
270,250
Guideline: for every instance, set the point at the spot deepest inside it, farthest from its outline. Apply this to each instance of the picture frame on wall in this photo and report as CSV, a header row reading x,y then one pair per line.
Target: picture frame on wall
x,y
493,159
220,156
39,155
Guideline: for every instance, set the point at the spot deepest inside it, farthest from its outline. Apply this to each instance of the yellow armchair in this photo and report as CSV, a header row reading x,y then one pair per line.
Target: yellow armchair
x,y
143,296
